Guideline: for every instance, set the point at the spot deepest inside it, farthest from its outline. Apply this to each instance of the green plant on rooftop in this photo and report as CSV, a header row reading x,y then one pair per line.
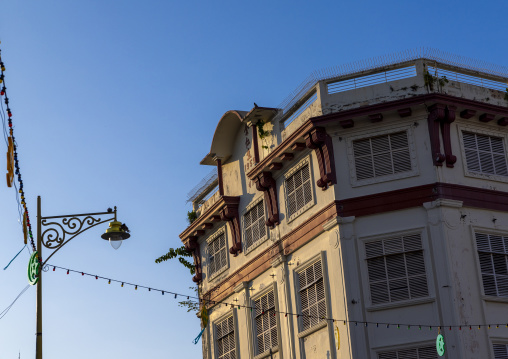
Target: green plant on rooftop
x,y
431,80
191,216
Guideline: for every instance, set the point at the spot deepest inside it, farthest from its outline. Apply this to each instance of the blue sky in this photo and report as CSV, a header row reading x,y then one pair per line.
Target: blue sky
x,y
115,103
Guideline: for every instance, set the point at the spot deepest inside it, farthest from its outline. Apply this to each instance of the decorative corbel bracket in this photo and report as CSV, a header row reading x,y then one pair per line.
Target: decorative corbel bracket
x,y
230,215
436,115
440,117
192,246
445,133
266,183
321,143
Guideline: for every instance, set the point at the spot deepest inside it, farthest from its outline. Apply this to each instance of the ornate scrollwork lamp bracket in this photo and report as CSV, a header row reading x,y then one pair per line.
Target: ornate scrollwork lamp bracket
x,y
57,231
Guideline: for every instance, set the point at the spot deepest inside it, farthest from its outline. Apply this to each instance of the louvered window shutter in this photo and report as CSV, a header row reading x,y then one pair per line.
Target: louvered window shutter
x,y
428,352
382,155
226,346
299,190
485,154
493,256
266,323
500,351
396,269
312,295
217,254
254,224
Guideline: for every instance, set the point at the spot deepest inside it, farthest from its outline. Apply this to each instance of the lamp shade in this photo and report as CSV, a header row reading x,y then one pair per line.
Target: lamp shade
x,y
115,234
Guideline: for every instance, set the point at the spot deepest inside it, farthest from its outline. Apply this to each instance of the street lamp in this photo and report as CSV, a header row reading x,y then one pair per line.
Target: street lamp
x,y
60,231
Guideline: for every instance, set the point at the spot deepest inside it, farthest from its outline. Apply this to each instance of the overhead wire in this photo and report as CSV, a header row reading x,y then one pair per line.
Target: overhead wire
x,y
203,301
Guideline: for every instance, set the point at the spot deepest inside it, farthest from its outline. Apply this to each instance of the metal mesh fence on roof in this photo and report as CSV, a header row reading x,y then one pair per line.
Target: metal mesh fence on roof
x,y
205,183
391,59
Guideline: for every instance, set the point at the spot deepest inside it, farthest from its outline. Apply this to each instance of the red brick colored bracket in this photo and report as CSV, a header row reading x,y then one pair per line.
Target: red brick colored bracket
x,y
192,246
318,140
436,115
230,214
440,117
266,183
445,133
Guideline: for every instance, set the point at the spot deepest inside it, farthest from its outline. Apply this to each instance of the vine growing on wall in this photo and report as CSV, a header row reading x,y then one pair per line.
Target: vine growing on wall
x,y
263,135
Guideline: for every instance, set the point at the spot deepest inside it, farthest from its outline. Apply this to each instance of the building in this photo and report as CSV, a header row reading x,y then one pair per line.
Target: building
x,y
362,217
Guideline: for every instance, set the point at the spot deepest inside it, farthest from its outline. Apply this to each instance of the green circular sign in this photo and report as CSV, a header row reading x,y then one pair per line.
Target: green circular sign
x,y
440,345
33,269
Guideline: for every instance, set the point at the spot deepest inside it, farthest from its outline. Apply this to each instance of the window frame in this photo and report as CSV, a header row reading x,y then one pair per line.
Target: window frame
x,y
494,232
209,240
247,250
223,317
426,260
323,323
289,173
390,177
500,133
269,288
408,346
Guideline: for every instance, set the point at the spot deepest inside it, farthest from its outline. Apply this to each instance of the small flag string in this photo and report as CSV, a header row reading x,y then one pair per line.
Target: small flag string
x,y
13,167
271,311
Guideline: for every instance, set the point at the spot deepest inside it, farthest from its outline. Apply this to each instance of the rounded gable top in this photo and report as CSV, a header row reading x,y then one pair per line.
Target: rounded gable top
x,y
224,136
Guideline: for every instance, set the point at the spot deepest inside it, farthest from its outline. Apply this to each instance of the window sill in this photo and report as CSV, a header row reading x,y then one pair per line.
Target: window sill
x,y
313,329
489,298
405,303
255,245
218,273
267,353
301,211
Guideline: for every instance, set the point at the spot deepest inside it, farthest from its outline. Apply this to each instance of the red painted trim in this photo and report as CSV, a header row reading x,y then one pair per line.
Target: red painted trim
x,y
416,196
192,246
487,117
287,156
437,113
347,124
445,133
255,143
275,166
502,121
298,146
230,214
321,143
467,114
405,112
266,183
406,102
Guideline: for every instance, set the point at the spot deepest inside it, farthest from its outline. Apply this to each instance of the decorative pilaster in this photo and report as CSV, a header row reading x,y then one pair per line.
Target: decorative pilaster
x,y
321,143
230,214
192,246
266,183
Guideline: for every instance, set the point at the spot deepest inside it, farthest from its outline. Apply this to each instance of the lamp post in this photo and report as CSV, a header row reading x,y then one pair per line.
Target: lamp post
x,y
60,231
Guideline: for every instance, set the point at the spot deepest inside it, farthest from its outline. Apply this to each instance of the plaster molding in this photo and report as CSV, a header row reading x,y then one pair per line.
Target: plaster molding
x,y
338,220
442,202
240,287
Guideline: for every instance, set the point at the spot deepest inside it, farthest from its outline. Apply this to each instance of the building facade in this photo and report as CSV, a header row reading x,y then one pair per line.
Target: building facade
x,y
361,220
